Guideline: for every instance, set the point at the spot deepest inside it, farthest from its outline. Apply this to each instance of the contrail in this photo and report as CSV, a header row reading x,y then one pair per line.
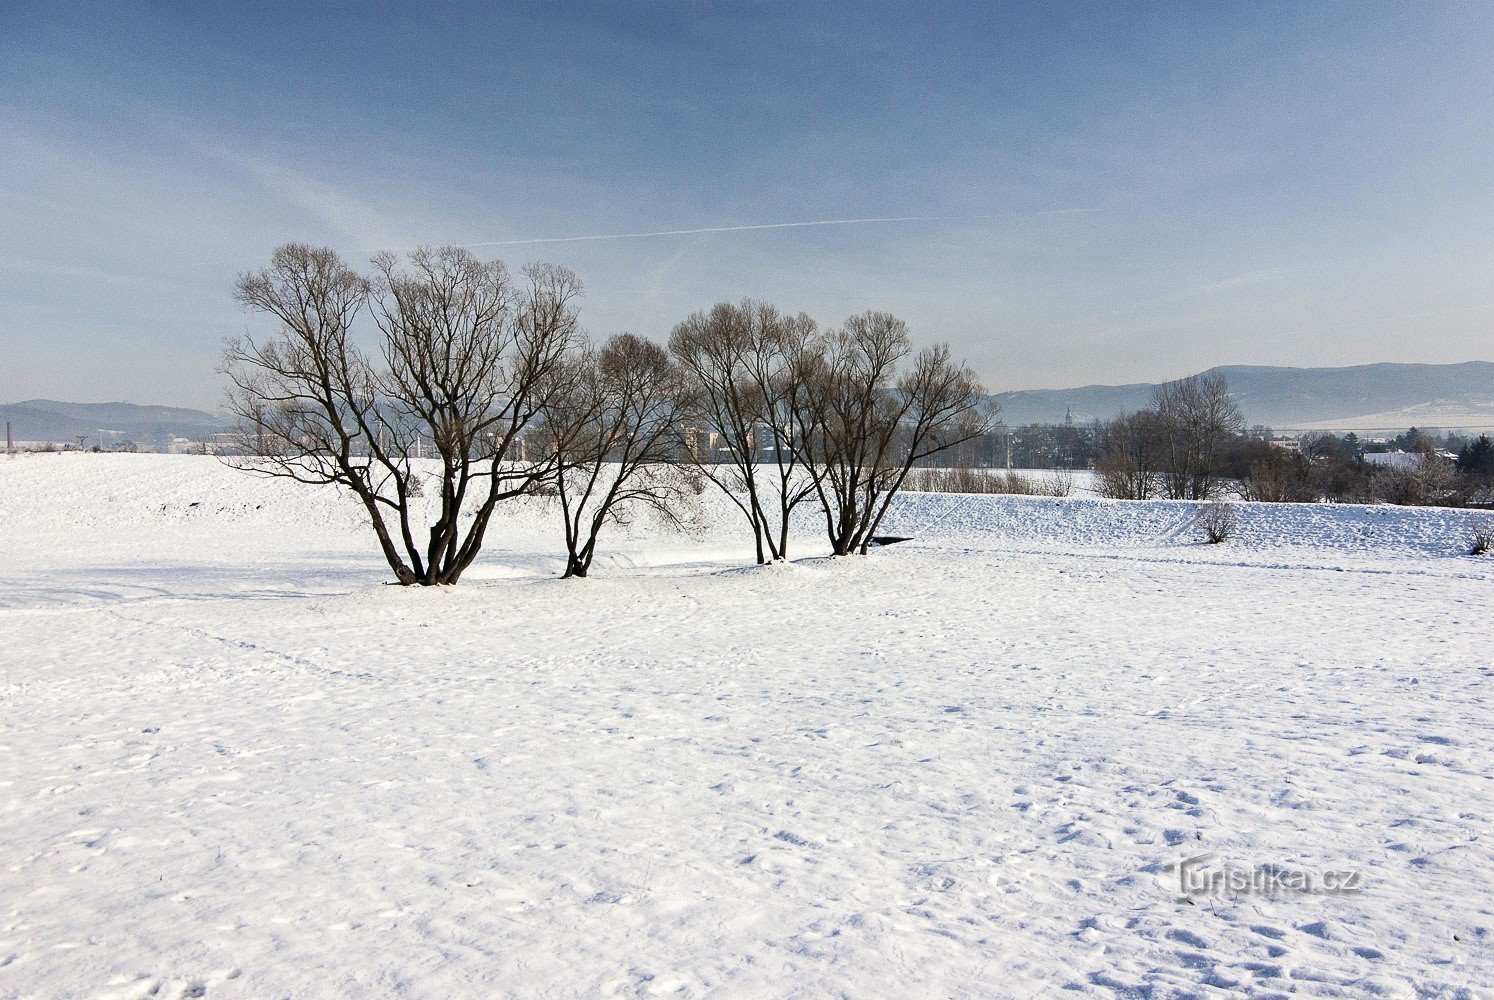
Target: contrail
x,y
769,225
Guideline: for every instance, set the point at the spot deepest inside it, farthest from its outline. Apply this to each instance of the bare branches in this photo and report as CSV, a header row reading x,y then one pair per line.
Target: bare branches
x,y
1174,446
864,422
783,413
611,420
746,363
463,352
479,388
1196,417
1215,521
1131,449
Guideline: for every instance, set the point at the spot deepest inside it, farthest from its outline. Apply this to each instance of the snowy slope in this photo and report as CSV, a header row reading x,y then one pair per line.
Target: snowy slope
x,y
1378,396
233,763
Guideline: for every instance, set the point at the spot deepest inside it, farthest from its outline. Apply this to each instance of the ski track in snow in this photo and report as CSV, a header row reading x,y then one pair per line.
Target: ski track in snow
x,y
234,764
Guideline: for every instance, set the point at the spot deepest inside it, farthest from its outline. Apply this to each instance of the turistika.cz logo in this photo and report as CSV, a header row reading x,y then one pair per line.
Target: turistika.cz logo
x,y
1202,875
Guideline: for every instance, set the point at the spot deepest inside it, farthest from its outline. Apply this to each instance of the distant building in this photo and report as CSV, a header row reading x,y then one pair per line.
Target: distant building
x,y
700,442
213,445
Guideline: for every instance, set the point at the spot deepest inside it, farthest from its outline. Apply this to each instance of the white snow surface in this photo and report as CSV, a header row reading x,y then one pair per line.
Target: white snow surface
x,y
235,763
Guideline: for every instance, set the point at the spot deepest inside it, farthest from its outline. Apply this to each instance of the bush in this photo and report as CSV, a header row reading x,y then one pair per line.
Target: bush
x,y
1431,482
1216,521
1271,474
1481,538
1056,483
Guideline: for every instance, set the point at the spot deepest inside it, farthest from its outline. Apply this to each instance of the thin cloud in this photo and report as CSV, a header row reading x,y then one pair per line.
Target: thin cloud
x,y
769,225
355,218
1247,280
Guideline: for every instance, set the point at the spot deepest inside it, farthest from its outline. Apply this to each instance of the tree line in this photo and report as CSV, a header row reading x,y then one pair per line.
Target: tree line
x,y
438,386
1341,469
1191,444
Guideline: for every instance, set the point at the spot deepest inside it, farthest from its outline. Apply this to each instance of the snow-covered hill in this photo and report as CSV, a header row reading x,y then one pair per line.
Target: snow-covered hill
x,y
234,763
107,423
1358,397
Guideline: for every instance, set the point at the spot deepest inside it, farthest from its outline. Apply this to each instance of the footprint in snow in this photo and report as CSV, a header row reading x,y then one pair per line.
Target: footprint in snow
x,y
1189,938
1265,930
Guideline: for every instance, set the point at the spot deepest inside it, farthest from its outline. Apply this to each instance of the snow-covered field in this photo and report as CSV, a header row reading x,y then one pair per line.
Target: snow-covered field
x,y
234,764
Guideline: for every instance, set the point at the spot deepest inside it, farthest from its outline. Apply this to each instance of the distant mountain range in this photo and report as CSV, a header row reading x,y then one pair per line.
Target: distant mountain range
x,y
64,423
1362,397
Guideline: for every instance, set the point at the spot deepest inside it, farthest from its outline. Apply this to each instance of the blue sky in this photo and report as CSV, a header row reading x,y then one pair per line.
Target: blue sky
x,y
1120,193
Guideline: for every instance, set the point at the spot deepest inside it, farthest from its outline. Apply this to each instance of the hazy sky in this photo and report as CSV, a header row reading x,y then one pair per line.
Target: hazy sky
x,y
1121,194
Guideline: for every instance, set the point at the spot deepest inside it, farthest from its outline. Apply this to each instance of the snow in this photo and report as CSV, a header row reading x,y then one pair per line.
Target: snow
x,y
233,763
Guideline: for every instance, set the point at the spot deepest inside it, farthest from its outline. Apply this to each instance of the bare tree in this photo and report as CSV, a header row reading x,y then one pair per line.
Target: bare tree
x,y
464,353
1197,416
612,423
863,422
744,363
1130,448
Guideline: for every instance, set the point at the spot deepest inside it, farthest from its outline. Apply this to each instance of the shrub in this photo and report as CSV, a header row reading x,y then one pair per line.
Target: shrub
x,y
1481,538
1275,475
1055,483
1216,520
1432,481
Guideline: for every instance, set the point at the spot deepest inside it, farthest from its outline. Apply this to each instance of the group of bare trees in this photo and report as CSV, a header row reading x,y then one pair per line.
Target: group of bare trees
x,y
785,414
1173,448
474,387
